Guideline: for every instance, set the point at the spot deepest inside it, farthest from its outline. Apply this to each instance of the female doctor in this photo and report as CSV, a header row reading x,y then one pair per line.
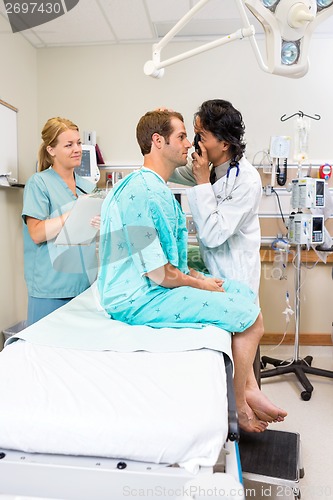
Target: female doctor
x,y
225,200
54,275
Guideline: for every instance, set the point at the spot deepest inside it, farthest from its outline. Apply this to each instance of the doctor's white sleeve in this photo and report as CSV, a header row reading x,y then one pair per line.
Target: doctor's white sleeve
x,y
216,220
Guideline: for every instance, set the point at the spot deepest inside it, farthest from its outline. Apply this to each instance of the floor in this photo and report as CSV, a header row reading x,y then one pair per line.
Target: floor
x,y
312,419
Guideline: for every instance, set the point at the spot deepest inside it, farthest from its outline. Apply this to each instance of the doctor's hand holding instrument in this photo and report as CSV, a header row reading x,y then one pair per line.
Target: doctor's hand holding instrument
x,y
200,162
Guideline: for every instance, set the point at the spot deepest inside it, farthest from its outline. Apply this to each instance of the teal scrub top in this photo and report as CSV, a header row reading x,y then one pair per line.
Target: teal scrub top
x,y
55,271
142,228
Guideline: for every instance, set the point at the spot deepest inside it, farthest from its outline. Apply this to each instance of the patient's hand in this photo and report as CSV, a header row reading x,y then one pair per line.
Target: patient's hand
x,y
212,284
196,274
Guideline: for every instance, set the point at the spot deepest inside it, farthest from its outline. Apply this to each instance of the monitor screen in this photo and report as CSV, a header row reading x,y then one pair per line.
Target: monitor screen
x,y
317,224
320,185
88,167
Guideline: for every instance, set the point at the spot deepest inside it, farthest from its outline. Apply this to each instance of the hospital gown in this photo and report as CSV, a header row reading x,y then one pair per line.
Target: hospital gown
x,y
143,228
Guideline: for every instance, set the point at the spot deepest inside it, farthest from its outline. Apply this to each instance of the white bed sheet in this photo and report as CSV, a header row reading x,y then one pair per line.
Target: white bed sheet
x,y
153,407
83,324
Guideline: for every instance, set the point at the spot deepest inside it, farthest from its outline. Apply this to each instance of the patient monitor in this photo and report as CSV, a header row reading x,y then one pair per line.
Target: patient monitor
x,y
88,167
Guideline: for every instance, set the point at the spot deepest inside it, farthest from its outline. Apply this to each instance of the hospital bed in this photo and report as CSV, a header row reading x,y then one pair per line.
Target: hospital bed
x,y
93,409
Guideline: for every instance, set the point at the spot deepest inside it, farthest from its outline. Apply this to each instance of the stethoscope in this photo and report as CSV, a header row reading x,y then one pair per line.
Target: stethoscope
x,y
233,164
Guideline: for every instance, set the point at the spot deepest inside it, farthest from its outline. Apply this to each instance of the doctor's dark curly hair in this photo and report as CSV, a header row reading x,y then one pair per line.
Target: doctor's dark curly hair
x,y
225,122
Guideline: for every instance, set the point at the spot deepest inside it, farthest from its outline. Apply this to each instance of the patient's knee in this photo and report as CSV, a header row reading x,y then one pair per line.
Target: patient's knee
x,y
259,325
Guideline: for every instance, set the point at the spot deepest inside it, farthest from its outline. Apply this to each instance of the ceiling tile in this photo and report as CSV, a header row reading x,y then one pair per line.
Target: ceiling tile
x,y
84,24
166,11
218,9
128,19
34,39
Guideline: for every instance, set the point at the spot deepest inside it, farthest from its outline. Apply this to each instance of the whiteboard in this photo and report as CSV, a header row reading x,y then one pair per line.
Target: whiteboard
x,y
8,140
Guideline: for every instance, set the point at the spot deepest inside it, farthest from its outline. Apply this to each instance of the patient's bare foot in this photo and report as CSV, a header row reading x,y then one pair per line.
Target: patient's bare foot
x,y
263,408
248,421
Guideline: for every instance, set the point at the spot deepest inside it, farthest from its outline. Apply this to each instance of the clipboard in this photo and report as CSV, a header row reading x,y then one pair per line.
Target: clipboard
x,y
77,229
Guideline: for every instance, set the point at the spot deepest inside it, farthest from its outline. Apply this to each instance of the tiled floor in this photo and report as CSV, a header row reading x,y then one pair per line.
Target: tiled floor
x,y
312,419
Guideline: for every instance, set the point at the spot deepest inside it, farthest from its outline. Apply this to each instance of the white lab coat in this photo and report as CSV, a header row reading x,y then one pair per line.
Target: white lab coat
x,y
228,230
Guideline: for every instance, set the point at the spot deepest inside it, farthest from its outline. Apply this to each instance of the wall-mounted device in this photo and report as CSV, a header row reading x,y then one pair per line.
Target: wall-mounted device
x,y
306,229
308,193
325,171
280,145
90,137
279,152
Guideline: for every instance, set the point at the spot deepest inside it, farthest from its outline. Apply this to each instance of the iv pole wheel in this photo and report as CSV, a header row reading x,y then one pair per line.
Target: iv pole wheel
x,y
306,396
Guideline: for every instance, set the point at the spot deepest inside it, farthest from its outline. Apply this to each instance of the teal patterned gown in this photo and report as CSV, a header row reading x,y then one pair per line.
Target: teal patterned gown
x,y
142,228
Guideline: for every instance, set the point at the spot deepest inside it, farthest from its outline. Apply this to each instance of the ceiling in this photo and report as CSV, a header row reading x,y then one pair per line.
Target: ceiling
x,y
93,22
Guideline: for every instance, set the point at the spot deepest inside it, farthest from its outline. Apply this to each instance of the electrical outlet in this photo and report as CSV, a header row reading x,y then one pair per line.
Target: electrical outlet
x,y
191,226
268,190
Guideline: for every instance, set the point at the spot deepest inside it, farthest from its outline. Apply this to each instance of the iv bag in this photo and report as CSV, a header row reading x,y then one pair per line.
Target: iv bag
x,y
301,141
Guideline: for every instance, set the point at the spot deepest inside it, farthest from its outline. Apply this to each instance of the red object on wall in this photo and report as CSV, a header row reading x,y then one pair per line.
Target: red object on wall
x,y
325,171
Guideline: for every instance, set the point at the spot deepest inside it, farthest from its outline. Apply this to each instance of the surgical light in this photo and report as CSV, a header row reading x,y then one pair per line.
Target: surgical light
x,y
289,53
270,4
323,4
288,27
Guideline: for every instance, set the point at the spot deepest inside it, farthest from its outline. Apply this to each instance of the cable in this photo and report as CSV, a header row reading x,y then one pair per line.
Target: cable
x,y
265,158
288,312
281,213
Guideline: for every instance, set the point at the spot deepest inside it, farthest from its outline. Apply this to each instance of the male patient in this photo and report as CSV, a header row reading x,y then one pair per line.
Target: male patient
x,y
144,278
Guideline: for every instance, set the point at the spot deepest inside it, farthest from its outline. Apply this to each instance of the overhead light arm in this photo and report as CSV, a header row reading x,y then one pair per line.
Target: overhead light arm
x,y
288,26
155,67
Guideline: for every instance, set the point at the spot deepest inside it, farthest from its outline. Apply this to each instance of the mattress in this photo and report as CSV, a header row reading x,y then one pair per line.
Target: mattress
x,y
152,407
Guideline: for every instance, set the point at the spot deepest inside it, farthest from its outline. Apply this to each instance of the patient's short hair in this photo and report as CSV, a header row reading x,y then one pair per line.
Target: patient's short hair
x,y
155,122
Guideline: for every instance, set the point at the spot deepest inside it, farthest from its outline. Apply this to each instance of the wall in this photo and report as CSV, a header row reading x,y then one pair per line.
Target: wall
x,y
18,86
316,299
104,89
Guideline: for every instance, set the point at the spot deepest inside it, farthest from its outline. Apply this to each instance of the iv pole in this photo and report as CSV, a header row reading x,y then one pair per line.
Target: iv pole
x,y
300,367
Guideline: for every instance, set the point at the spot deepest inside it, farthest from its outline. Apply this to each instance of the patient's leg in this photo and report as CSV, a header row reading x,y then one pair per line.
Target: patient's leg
x,y
254,408
244,346
260,404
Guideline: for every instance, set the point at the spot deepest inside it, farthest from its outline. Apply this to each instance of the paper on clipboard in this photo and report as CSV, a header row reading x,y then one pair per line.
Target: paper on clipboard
x,y
77,229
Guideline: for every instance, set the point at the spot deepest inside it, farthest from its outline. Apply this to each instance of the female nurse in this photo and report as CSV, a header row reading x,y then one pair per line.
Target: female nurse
x,y
55,274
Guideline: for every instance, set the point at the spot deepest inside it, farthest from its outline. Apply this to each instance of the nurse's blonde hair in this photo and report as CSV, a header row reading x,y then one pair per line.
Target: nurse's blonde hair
x,y
50,133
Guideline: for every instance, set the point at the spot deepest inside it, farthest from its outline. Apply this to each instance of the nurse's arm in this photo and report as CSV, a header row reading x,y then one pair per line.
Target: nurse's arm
x,y
169,276
44,230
